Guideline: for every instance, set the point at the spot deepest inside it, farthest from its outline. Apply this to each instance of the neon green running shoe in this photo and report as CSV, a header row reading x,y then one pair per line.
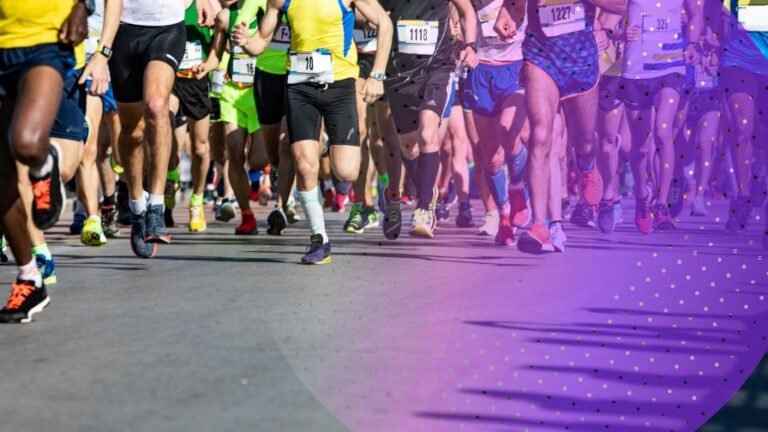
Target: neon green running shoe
x,y
93,233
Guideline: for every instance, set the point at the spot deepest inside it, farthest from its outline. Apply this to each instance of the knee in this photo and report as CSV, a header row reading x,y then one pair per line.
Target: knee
x,y
202,149
29,147
541,143
306,167
347,173
133,135
495,162
609,145
428,140
157,110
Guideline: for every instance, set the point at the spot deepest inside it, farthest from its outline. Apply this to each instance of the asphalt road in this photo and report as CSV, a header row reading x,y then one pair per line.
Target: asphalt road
x,y
224,333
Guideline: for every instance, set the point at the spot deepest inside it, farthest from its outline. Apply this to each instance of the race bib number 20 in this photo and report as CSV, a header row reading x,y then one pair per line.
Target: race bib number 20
x,y
561,17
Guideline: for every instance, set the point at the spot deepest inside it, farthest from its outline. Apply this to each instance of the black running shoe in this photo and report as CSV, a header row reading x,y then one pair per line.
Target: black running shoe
x,y
168,218
464,218
109,221
277,222
155,231
738,214
583,216
25,301
606,217
48,195
141,248
124,215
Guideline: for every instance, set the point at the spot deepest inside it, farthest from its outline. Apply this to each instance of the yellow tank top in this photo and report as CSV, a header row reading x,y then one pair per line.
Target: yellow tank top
x,y
26,23
324,25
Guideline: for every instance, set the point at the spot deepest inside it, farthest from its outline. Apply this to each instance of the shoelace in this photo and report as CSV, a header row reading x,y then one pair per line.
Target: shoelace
x,y
19,293
394,213
421,217
41,189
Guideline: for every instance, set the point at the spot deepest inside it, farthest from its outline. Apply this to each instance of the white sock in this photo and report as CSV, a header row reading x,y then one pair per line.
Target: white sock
x,y
327,185
138,206
310,200
44,170
29,272
156,200
96,218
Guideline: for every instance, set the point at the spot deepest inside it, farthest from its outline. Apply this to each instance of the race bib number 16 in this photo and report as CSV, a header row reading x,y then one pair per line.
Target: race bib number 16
x,y
417,37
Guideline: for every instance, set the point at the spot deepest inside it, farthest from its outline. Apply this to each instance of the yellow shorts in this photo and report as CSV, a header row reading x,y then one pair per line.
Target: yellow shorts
x,y
238,106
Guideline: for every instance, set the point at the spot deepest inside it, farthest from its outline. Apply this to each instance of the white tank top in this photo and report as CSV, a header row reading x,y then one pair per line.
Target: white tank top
x,y
153,13
491,48
661,46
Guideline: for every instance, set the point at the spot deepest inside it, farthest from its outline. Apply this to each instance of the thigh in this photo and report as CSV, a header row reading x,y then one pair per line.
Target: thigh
x,y
581,117
39,98
158,81
339,109
303,115
513,119
542,98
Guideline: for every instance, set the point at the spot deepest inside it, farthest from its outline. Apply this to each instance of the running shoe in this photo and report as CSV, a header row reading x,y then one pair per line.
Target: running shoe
x,y
662,218
171,188
676,200
25,301
407,200
627,182
464,218
583,215
354,223
116,168
566,208
518,203
277,221
591,186
48,195
433,208
47,267
329,197
265,193
78,221
490,225
93,233
109,221
248,226
618,213
606,217
643,216
3,250
698,207
290,212
253,195
381,196
168,218
537,240
209,193
197,221
141,248
758,188
155,231
452,198
393,220
318,252
124,215
738,214
340,201
227,211
371,217
421,224
442,210
558,236
506,234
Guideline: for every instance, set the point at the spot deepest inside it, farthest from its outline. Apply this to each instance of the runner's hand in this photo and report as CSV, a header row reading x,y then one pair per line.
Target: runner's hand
x,y
468,58
372,90
75,27
240,34
98,72
692,56
505,25
205,15
201,70
633,33
602,40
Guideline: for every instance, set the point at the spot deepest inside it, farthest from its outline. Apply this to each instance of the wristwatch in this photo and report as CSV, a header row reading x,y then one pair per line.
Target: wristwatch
x,y
378,76
90,6
104,50
471,45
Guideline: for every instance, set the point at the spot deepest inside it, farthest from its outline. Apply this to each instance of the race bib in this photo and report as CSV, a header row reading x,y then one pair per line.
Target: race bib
x,y
193,55
704,81
243,68
417,37
561,17
282,39
218,77
316,66
754,18
667,23
366,41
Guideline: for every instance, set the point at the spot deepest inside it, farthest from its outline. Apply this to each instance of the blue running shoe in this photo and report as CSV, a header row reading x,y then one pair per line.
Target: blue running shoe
x,y
155,226
47,267
318,252
141,248
464,218
78,221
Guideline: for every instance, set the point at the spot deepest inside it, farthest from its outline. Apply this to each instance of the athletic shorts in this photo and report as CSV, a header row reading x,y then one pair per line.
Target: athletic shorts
x,y
453,100
179,120
194,97
703,102
309,104
238,106
269,90
16,62
215,110
70,123
609,93
640,94
573,64
134,47
408,96
108,103
487,87
365,61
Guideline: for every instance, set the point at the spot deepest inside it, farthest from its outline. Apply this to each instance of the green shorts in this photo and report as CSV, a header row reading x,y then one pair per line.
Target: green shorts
x,y
238,106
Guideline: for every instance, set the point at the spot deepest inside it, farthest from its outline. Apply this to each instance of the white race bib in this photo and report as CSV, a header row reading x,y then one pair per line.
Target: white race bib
x,y
562,18
315,66
417,37
243,68
193,55
754,18
282,39
366,41
662,23
704,81
218,77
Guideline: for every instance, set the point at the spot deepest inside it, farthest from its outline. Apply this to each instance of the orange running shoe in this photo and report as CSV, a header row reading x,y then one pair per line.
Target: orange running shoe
x,y
591,187
537,240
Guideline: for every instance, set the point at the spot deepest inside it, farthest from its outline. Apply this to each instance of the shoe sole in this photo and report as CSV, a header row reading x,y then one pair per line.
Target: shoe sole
x,y
166,239
252,233
197,230
528,244
36,310
324,261
138,255
421,232
50,280
393,233
226,215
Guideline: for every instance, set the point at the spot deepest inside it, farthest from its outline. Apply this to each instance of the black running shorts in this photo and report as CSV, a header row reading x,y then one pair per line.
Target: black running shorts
x,y
194,97
269,91
134,47
336,104
408,96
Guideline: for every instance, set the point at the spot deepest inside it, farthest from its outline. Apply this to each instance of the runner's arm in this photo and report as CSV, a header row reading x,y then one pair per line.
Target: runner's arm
x,y
258,43
97,69
218,43
510,18
612,6
205,13
375,15
468,55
